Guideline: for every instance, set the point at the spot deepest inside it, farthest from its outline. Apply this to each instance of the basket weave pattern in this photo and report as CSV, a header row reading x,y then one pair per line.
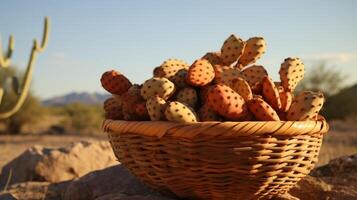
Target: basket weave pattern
x,y
218,160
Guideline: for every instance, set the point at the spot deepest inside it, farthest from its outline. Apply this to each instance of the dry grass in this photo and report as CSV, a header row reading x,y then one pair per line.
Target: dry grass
x,y
341,140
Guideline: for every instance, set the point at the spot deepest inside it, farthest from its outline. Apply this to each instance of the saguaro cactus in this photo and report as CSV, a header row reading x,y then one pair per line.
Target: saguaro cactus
x,y
25,86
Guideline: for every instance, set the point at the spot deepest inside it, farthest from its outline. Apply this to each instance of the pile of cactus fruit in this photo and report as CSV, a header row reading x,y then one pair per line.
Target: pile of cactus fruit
x,y
221,86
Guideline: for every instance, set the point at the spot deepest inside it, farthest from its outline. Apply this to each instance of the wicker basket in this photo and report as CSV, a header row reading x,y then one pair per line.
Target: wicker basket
x,y
218,160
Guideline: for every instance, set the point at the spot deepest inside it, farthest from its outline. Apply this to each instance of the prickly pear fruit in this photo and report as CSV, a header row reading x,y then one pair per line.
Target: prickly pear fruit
x,y
200,73
187,96
119,99
306,106
225,74
291,72
157,72
130,99
169,68
232,49
179,112
271,93
141,111
286,98
112,109
254,76
213,57
157,86
203,93
242,87
115,82
205,113
156,108
226,102
262,110
179,79
254,49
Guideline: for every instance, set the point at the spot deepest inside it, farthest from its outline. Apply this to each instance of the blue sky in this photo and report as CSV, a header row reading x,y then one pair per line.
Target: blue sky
x,y
90,37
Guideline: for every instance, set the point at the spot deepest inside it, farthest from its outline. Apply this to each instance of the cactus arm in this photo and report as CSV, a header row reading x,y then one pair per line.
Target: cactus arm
x,y
44,42
5,59
28,74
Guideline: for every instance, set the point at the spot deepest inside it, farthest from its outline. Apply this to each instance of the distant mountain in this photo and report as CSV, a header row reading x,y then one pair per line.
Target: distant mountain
x,y
75,97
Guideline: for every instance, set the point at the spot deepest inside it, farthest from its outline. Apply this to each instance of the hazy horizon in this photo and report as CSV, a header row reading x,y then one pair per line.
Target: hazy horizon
x,y
88,38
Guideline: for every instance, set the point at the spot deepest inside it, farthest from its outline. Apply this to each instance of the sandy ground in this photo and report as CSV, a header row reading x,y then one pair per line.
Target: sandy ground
x,y
336,143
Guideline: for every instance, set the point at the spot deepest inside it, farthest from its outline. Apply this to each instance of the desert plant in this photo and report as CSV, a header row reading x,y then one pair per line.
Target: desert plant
x,y
322,78
31,110
81,118
22,90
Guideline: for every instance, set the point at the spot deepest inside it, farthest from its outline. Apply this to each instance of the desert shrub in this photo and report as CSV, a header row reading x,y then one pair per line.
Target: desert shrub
x,y
342,105
322,78
31,112
80,118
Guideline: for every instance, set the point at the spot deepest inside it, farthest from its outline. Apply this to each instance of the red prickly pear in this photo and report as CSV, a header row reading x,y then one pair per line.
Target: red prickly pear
x,y
262,110
226,102
114,82
214,58
112,109
242,87
200,73
271,93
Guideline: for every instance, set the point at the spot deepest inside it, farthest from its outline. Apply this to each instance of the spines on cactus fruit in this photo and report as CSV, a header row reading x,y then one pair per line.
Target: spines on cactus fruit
x,y
254,76
200,73
242,87
131,98
291,72
187,96
226,102
271,93
286,99
169,68
179,112
157,86
115,82
262,110
232,49
156,108
179,79
214,58
225,74
255,47
205,113
113,110
203,93
141,110
306,106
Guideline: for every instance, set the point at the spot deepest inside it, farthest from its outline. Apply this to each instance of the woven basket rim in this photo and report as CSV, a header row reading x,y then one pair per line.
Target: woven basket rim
x,y
215,129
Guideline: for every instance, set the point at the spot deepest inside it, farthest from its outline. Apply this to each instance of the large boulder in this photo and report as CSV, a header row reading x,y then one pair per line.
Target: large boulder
x,y
112,183
55,165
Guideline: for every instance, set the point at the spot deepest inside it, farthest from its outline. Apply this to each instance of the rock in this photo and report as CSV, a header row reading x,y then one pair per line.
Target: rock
x,y
111,183
310,188
55,165
341,173
338,166
34,190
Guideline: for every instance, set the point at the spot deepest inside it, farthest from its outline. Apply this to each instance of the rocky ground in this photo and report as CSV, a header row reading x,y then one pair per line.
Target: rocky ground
x,y
85,170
